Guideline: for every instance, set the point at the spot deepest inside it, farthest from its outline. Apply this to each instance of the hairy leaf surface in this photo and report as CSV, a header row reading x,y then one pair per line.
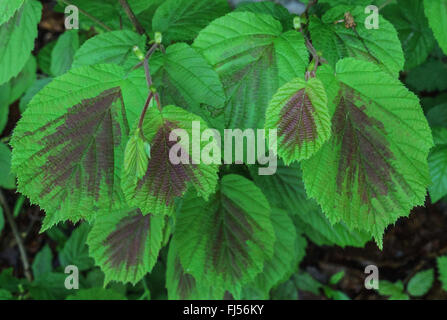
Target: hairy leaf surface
x,y
226,240
368,174
68,147
110,47
125,244
299,111
185,79
336,41
253,58
164,181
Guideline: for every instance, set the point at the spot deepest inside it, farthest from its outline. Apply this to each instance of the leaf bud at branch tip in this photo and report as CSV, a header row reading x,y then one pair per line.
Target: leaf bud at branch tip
x,y
158,37
138,53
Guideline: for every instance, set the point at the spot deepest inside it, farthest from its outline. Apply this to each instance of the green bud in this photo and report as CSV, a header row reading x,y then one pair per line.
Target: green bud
x,y
158,37
138,53
297,23
147,149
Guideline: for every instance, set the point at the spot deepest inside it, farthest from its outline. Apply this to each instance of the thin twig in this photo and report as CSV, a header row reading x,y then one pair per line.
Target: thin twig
x,y
88,15
143,114
132,17
16,234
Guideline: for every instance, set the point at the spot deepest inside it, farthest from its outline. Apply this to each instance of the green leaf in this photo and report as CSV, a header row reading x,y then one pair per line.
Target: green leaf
x,y
299,111
69,145
7,178
436,12
125,244
437,115
368,175
96,294
44,57
253,58
305,282
75,251
9,282
5,295
2,220
336,278
289,249
110,47
136,159
181,20
225,241
8,8
32,91
410,22
42,263
335,41
23,80
63,52
275,10
17,36
109,12
285,189
442,269
394,290
185,79
437,162
334,294
429,76
50,286
421,282
164,180
5,92
182,285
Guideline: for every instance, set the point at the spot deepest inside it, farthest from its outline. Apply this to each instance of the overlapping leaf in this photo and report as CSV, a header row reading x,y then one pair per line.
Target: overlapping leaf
x,y
289,249
185,79
165,180
182,285
300,114
17,36
110,47
225,241
417,39
63,52
253,58
181,20
285,189
276,10
7,178
337,41
125,244
374,168
436,12
68,147
437,162
8,8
